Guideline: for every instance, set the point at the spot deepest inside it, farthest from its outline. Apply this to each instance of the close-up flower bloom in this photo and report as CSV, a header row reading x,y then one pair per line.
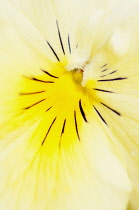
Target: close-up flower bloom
x,y
69,105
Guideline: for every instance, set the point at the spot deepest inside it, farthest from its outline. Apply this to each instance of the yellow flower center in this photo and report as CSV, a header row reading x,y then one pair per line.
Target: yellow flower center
x,y
59,101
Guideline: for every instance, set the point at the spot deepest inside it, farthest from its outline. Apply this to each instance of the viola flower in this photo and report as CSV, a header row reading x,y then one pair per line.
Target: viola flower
x,y
69,110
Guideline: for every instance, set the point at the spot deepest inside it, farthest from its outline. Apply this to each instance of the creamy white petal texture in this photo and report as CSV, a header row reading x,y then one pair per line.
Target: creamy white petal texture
x,y
69,117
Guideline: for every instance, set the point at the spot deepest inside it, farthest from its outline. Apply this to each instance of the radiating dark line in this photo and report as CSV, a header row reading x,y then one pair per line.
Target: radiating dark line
x,y
53,51
63,127
69,44
22,94
59,34
111,109
82,111
76,126
104,65
100,115
48,130
113,72
119,78
39,80
109,73
107,91
34,104
46,72
48,108
104,70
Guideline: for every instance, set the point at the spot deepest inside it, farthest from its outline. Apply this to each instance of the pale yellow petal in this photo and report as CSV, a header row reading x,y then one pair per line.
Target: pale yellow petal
x,y
72,177
116,92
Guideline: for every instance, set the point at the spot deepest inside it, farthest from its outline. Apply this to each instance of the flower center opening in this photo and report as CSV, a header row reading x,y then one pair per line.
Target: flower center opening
x,y
78,75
